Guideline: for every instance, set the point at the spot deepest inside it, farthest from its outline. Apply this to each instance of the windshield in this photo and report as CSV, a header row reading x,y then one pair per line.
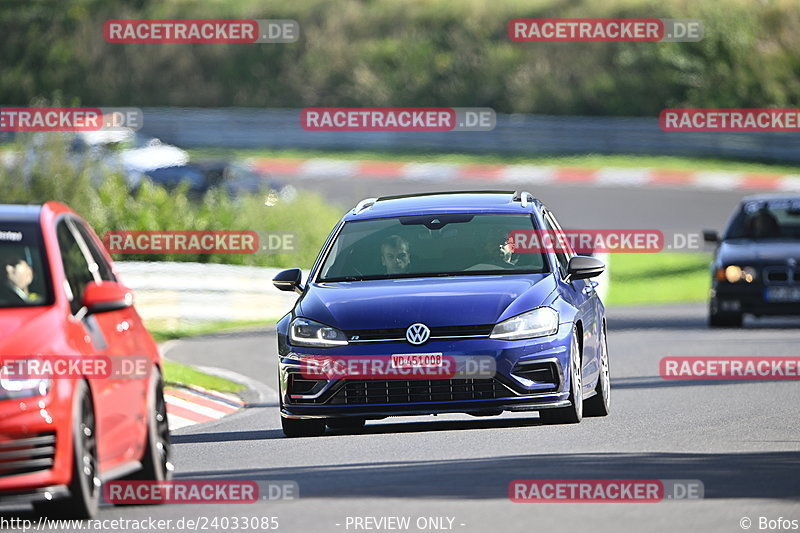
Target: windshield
x,y
766,219
430,245
23,276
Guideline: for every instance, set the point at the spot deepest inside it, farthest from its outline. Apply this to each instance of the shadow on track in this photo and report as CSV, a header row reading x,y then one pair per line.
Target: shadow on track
x,y
764,475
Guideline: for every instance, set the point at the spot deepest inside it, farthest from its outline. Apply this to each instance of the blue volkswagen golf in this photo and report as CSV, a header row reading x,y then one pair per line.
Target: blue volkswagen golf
x,y
421,304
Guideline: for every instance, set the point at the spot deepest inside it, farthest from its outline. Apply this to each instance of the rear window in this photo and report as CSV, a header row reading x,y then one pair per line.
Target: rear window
x,y
24,276
429,245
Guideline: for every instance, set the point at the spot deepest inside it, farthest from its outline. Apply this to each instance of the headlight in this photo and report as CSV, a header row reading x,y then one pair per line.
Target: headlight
x,y
735,274
537,323
305,332
17,387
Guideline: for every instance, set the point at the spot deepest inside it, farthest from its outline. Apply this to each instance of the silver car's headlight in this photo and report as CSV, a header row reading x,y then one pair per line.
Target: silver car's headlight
x,y
537,323
305,332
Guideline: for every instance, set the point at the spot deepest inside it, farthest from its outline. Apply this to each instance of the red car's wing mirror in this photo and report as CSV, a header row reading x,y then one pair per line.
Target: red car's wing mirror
x,y
106,296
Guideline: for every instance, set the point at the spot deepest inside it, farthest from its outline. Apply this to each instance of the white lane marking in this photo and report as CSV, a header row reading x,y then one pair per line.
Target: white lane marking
x,y
622,176
717,180
201,409
178,422
328,168
430,171
527,174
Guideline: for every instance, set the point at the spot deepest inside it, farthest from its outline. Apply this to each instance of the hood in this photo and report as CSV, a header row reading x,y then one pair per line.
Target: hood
x,y
21,327
460,300
745,251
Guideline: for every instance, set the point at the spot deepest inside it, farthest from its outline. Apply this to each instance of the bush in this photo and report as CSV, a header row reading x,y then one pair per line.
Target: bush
x,y
45,170
412,53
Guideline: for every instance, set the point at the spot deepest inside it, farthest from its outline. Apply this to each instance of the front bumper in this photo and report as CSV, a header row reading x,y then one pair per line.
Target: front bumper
x,y
529,376
739,298
35,448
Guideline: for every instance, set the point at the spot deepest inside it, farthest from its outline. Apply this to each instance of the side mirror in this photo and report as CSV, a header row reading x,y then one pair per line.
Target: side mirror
x,y
582,267
289,280
709,235
106,296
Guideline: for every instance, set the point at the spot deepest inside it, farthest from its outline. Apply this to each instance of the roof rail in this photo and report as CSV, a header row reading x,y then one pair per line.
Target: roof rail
x,y
523,197
364,204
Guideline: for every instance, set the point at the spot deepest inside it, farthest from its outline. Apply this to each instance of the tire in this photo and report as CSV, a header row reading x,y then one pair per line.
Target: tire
x,y
299,427
156,464
724,320
600,403
346,424
574,412
84,488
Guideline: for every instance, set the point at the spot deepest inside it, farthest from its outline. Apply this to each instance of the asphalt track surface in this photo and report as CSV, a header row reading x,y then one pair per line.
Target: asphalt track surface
x,y
577,206
740,439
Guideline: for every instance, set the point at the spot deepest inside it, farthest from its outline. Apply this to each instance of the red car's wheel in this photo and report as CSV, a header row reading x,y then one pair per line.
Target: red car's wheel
x,y
85,485
156,464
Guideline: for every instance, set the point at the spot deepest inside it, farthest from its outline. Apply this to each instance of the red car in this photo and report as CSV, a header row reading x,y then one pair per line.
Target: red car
x,y
62,436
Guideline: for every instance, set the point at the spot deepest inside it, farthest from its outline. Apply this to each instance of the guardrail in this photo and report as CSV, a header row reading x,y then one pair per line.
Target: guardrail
x,y
199,292
514,134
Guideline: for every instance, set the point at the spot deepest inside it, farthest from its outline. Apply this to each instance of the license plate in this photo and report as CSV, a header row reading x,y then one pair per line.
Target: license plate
x,y
783,294
417,360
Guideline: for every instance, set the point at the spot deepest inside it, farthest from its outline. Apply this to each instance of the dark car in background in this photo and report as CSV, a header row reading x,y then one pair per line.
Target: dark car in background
x,y
756,266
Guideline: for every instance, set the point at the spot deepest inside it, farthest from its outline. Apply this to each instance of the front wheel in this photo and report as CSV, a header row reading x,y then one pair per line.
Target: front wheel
x,y
574,412
84,488
600,403
156,464
724,320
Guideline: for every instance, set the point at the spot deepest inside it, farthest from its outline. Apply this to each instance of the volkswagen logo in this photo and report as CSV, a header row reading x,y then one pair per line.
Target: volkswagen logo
x,y
418,333
792,262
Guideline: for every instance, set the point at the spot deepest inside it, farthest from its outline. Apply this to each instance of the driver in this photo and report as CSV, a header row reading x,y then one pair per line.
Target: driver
x,y
16,279
395,255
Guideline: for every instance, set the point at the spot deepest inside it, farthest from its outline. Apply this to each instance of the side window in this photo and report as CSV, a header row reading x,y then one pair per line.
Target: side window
x,y
103,268
76,269
561,256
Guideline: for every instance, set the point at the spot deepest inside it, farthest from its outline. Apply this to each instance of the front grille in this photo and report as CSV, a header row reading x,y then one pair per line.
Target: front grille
x,y
781,275
356,392
25,455
367,335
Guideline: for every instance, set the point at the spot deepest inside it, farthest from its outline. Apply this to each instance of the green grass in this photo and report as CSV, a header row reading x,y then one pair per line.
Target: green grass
x,y
585,161
180,374
638,279
165,331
